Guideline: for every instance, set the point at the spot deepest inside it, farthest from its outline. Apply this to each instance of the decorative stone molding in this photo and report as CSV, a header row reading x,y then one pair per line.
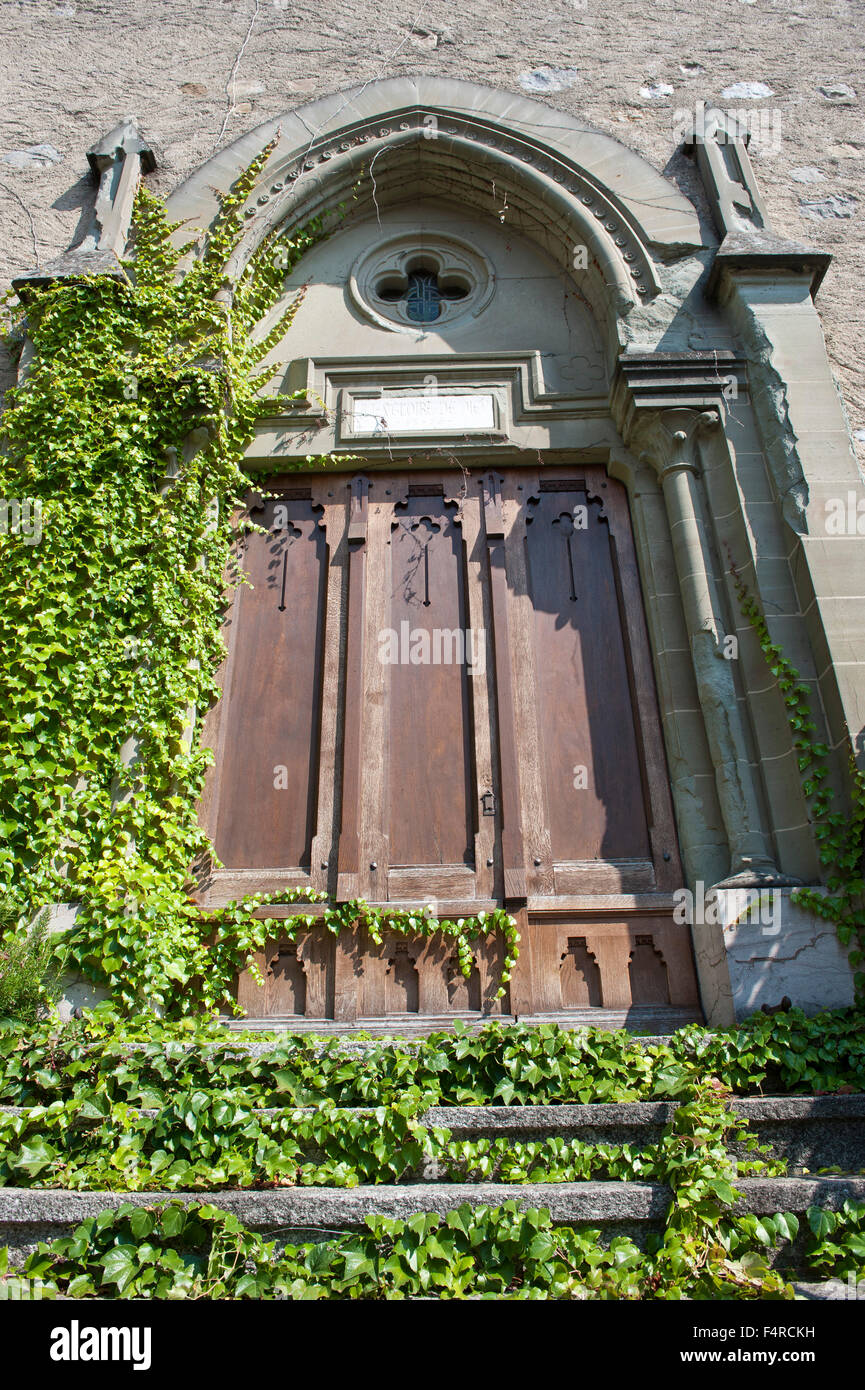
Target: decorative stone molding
x,y
696,380
598,210
662,217
764,254
622,244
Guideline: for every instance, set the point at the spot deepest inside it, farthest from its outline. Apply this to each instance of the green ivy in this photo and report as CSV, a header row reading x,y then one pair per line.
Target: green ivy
x,y
144,1063
176,1252
201,1252
128,429
113,1105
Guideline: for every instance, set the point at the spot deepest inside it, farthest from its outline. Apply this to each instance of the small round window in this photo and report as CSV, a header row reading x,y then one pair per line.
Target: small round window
x,y
402,285
422,293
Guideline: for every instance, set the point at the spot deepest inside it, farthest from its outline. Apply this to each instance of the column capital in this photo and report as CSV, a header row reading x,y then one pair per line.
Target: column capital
x,y
668,439
655,395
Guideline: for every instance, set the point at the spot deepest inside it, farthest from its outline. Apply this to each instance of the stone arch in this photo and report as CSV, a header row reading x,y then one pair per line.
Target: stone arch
x,y
560,184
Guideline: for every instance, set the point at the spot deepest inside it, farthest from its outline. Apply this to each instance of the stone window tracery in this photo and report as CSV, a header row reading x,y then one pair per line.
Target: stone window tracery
x,y
429,278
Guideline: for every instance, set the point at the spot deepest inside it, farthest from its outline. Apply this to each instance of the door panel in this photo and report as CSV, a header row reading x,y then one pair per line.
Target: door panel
x,y
439,687
431,781
590,761
268,782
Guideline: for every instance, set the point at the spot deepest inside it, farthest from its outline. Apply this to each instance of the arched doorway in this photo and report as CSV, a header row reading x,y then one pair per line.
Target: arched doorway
x,y
439,686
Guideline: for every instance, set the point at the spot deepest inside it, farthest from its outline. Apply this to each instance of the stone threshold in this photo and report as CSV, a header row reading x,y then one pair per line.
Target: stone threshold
x,y
646,1025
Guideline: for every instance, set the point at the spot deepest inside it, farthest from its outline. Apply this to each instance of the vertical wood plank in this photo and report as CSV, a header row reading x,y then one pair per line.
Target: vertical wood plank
x,y
484,714
384,491
510,813
534,811
522,974
348,877
345,976
325,844
613,953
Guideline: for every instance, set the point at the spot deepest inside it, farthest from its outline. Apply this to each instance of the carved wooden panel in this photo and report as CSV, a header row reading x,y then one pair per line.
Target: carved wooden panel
x,y
579,977
640,959
439,687
420,975
267,789
590,758
647,968
583,961
430,785
299,978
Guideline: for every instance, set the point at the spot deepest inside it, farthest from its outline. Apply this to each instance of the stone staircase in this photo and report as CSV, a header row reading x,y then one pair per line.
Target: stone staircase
x,y
811,1133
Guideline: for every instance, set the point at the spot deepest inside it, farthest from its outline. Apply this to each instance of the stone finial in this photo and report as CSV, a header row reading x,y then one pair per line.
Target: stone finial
x,y
720,141
117,162
124,140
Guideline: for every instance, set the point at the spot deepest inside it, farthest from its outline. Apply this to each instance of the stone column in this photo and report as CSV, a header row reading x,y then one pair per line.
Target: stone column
x,y
673,450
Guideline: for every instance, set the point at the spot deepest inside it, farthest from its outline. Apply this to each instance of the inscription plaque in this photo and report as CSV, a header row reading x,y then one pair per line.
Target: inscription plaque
x,y
454,413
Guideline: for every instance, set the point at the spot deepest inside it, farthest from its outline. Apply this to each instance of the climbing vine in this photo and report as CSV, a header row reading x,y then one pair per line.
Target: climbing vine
x,y
840,838
125,439
181,1107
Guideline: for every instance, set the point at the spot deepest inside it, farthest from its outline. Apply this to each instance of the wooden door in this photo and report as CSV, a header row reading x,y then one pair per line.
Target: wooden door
x,y
439,689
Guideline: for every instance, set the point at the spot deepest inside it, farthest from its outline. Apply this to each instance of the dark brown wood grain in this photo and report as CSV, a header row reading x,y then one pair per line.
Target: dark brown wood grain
x,y
430,756
269,775
388,764
584,698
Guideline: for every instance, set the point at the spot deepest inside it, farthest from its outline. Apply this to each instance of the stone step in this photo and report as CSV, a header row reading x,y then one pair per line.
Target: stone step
x,y
831,1290
810,1132
635,1020
292,1214
352,1040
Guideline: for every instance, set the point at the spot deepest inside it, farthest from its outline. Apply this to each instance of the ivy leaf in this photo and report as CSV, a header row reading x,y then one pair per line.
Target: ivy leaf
x,y
357,1264
787,1225
119,1266
822,1222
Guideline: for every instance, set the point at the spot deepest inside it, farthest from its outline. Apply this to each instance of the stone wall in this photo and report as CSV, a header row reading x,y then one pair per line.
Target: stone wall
x,y
197,74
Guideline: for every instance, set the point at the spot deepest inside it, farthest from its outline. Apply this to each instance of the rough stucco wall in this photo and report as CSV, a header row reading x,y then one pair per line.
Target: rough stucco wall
x,y
193,75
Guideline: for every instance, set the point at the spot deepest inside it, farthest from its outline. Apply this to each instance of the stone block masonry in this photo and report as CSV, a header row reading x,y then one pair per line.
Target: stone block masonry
x,y
199,74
